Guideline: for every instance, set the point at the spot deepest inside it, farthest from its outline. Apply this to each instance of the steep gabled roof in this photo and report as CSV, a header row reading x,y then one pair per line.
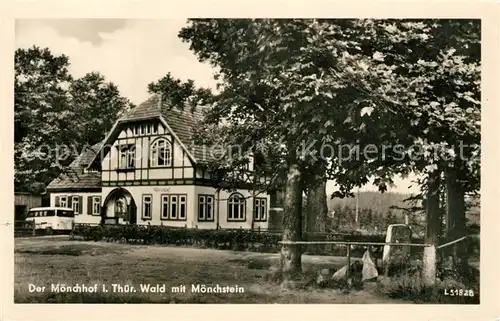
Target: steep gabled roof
x,y
75,177
180,122
84,159
148,109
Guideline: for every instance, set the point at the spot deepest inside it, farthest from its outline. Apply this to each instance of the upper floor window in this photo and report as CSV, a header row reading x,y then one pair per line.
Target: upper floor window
x,y
161,153
236,208
127,157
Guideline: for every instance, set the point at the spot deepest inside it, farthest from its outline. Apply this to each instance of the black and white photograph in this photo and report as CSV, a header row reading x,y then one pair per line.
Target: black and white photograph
x,y
247,161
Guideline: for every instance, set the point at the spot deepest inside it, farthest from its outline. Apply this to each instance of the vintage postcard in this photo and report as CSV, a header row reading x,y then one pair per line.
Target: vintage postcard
x,y
238,158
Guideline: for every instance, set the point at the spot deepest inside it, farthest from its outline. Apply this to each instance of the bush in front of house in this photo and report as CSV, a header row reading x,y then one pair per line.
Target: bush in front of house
x,y
227,239
237,239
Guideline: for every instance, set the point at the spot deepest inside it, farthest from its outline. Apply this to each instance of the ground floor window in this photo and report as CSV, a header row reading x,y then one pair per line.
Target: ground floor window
x,y
147,200
260,214
173,207
205,207
75,204
182,207
236,208
165,207
96,205
63,201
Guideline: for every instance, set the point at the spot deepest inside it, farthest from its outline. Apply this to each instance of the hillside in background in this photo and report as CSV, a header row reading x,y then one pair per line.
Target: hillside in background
x,y
376,211
378,202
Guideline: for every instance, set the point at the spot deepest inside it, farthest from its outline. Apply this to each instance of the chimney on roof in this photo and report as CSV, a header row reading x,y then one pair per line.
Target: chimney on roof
x,y
160,100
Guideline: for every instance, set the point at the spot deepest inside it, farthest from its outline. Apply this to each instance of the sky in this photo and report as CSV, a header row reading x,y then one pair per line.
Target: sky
x,y
129,53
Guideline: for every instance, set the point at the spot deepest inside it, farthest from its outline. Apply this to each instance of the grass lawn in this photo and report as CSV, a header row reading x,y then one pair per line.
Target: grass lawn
x,y
50,260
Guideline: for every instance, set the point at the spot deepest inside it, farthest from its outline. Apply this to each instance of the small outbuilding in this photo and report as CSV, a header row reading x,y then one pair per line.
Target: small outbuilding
x,y
23,202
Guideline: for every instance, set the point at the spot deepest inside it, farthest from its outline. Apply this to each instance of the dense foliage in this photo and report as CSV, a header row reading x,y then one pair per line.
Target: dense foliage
x,y
56,116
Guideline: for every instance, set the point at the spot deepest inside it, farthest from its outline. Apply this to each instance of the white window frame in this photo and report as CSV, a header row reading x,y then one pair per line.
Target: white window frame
x,y
206,204
260,204
182,204
168,202
174,208
127,159
149,215
63,200
123,157
131,156
165,204
236,200
96,200
167,152
76,200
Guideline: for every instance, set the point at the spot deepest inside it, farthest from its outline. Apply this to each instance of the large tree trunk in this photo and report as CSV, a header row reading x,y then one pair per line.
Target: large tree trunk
x,y
455,217
432,228
292,223
317,208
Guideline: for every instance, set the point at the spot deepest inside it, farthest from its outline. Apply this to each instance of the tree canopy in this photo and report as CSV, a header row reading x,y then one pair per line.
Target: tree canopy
x,y
298,86
56,115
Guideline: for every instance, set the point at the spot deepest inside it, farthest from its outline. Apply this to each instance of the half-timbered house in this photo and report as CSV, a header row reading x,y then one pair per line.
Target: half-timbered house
x,y
148,171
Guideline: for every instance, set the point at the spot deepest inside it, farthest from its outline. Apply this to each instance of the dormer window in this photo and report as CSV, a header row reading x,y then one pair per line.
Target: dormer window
x,y
161,153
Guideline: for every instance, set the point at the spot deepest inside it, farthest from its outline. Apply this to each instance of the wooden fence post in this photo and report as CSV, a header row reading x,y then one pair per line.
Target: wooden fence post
x,y
34,228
